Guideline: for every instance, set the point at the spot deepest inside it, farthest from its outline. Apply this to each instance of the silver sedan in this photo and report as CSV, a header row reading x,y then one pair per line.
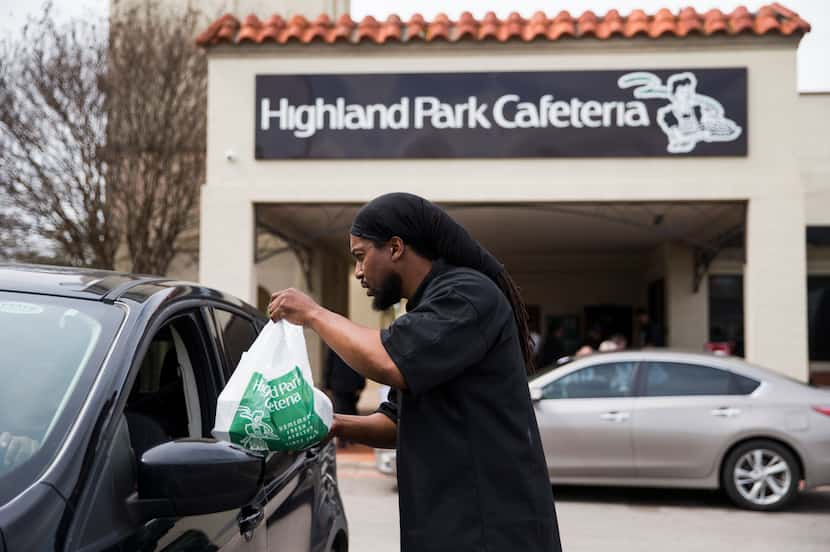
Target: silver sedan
x,y
670,419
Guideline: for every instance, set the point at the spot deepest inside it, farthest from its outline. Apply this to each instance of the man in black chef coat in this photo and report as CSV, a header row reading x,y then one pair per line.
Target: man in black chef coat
x,y
472,475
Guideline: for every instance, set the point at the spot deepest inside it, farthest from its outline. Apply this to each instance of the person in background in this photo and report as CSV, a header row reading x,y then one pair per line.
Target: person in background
x,y
535,337
345,386
651,333
620,341
616,342
594,337
584,351
553,348
591,344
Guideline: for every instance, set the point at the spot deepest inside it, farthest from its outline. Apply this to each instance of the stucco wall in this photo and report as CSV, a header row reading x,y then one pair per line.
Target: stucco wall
x,y
768,178
813,155
688,310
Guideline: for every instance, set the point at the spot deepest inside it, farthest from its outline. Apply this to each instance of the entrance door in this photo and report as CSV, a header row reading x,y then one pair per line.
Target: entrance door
x,y
657,306
608,320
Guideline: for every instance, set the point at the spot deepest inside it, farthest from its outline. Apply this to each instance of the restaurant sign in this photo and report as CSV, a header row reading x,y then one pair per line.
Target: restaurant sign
x,y
692,112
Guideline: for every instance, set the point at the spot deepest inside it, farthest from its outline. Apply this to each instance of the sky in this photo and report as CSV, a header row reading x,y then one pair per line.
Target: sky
x,y
813,52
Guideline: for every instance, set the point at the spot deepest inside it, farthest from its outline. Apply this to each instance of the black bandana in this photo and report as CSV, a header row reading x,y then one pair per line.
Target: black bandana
x,y
427,228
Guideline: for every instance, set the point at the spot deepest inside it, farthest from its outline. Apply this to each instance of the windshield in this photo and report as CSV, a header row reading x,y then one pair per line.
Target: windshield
x,y
50,351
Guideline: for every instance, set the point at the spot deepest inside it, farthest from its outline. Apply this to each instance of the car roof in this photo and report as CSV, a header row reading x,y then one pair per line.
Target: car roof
x,y
83,283
100,285
735,364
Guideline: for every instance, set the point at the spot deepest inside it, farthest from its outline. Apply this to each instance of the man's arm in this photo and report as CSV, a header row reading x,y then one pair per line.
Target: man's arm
x,y
359,347
375,430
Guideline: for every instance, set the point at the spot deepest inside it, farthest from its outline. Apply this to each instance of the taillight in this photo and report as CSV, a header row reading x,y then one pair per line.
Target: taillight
x,y
822,410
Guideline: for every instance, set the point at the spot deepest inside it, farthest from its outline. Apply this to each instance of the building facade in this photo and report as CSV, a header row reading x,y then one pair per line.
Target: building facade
x,y
660,161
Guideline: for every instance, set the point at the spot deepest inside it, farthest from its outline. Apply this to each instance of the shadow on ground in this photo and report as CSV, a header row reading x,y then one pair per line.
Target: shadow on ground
x,y
814,502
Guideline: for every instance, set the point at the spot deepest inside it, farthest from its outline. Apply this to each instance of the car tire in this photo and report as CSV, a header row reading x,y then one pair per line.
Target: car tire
x,y
761,475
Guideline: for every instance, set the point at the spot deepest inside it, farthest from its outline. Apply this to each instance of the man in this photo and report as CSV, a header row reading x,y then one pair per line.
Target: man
x,y
472,475
651,334
553,347
345,386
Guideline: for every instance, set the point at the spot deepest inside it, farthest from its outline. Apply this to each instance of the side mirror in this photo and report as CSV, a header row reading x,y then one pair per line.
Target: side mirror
x,y
192,477
536,394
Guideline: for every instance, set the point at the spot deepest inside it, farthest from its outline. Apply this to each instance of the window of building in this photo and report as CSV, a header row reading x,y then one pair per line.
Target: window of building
x,y
726,311
818,317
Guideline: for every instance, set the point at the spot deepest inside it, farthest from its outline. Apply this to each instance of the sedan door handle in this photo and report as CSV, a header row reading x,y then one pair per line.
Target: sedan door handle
x,y
614,416
249,518
725,412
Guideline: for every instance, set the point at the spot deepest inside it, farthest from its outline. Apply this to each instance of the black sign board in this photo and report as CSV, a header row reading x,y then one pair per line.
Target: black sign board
x,y
642,113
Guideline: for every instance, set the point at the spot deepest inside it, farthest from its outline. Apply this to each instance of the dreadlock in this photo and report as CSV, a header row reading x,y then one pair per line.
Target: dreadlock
x,y
514,296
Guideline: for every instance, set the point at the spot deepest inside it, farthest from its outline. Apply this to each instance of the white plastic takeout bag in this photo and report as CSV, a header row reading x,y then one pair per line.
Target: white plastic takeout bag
x,y
270,402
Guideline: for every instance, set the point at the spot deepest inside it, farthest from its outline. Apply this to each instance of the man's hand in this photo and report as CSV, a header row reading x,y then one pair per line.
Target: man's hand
x,y
16,449
334,430
293,306
375,430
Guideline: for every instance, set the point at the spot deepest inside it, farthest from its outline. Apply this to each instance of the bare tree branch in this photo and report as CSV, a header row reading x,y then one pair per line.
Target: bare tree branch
x,y
52,121
102,138
157,131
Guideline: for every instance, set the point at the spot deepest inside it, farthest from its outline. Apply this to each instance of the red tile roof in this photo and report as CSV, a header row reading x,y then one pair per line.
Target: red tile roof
x,y
771,19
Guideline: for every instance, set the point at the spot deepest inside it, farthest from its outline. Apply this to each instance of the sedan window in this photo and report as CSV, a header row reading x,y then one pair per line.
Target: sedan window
x,y
666,379
603,380
742,385
238,333
172,397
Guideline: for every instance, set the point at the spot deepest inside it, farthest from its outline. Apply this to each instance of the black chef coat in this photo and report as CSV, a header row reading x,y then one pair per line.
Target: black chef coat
x,y
471,472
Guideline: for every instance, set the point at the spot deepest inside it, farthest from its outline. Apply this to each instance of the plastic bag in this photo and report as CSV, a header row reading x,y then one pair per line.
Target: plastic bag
x,y
270,402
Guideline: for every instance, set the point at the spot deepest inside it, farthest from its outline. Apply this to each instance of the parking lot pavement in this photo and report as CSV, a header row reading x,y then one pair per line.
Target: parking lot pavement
x,y
593,519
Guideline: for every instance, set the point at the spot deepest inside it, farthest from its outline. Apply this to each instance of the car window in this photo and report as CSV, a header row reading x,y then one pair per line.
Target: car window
x,y
602,380
238,333
171,397
50,351
664,379
742,385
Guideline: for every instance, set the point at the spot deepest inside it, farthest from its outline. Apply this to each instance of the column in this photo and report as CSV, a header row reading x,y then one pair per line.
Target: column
x,y
775,281
687,310
226,242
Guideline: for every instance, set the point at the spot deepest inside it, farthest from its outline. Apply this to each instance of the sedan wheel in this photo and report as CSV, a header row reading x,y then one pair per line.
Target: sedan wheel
x,y
761,475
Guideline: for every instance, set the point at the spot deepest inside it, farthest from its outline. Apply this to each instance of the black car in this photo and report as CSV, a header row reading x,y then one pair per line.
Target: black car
x,y
108,388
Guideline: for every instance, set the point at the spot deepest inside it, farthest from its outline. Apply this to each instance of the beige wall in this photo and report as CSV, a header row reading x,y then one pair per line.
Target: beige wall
x,y
769,168
687,310
565,284
768,179
813,155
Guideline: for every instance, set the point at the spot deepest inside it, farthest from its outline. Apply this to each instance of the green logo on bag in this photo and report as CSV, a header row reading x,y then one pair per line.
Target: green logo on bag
x,y
277,415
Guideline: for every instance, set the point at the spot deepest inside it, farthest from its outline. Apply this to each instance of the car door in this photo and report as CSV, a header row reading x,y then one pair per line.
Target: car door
x,y
682,418
291,480
172,396
584,418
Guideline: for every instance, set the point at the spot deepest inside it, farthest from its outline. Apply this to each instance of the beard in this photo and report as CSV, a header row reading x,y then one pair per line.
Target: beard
x,y
389,292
